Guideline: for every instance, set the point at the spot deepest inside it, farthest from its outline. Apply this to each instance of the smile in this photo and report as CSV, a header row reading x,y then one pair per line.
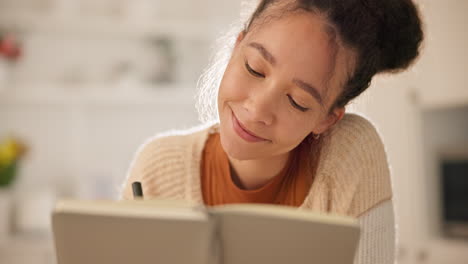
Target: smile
x,y
243,132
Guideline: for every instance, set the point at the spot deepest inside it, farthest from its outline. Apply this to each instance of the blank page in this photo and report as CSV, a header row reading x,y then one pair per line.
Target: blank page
x,y
279,236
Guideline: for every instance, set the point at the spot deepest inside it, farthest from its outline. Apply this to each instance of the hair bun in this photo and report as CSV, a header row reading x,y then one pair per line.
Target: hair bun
x,y
399,33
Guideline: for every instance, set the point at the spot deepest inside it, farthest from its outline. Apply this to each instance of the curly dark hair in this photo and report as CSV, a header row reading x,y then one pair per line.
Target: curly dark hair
x,y
386,35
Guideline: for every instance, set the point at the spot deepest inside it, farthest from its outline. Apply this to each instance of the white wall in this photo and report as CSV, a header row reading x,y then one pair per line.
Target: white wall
x,y
71,54
442,70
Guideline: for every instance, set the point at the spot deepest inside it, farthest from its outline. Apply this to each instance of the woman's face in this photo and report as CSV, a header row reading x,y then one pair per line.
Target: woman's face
x,y
278,87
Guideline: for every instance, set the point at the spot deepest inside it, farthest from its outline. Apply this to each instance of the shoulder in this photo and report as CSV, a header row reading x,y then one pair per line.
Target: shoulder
x,y
353,140
355,160
176,138
165,158
355,129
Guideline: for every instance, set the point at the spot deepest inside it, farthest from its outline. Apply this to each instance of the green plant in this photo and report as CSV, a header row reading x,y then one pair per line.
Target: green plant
x,y
11,152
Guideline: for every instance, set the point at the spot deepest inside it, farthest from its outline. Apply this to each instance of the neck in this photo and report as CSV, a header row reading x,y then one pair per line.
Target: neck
x,y
254,174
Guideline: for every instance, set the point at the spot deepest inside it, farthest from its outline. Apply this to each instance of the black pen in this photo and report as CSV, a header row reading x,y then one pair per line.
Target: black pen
x,y
137,190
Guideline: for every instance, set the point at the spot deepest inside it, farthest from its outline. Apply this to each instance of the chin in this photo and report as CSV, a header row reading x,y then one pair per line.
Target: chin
x,y
233,149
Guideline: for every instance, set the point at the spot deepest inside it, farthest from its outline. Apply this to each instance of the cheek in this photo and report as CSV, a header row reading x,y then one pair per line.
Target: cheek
x,y
234,85
302,128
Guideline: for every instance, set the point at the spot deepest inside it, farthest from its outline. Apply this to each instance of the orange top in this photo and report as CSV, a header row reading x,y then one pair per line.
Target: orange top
x,y
289,187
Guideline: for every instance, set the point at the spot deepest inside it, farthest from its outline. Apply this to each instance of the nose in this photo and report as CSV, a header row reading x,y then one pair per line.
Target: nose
x,y
260,106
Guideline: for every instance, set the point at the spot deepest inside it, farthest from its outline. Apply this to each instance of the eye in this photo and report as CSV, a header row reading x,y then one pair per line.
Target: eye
x,y
296,105
253,72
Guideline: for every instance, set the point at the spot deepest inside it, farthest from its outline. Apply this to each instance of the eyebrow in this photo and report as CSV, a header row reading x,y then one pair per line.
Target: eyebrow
x,y
265,53
310,89
301,84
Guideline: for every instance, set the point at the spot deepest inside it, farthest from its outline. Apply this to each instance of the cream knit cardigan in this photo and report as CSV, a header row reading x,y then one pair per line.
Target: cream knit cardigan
x,y
352,179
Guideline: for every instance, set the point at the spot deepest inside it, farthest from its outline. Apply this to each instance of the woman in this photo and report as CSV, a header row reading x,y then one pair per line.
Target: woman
x,y
283,136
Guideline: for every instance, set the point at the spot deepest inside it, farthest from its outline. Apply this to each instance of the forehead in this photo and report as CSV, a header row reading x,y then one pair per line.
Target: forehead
x,y
305,47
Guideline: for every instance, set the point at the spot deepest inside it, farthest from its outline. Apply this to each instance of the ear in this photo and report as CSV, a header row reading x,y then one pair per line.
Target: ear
x,y
240,37
330,120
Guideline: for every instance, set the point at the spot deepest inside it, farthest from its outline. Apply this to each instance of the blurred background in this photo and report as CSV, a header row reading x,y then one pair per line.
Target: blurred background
x,y
84,82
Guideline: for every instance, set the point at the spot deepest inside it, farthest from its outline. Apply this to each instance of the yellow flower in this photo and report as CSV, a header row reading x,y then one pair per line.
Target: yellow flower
x,y
10,150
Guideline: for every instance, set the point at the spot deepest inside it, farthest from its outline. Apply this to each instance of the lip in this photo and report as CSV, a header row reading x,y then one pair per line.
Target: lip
x,y
244,133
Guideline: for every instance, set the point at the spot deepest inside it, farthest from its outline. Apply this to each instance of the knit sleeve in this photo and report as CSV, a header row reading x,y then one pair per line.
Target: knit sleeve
x,y
159,165
144,157
377,241
353,169
374,179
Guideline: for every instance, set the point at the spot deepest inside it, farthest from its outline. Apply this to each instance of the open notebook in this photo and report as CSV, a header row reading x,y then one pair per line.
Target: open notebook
x,y
157,231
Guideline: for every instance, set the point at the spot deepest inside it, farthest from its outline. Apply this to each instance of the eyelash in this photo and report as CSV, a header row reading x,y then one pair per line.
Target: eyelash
x,y
296,105
253,72
291,100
